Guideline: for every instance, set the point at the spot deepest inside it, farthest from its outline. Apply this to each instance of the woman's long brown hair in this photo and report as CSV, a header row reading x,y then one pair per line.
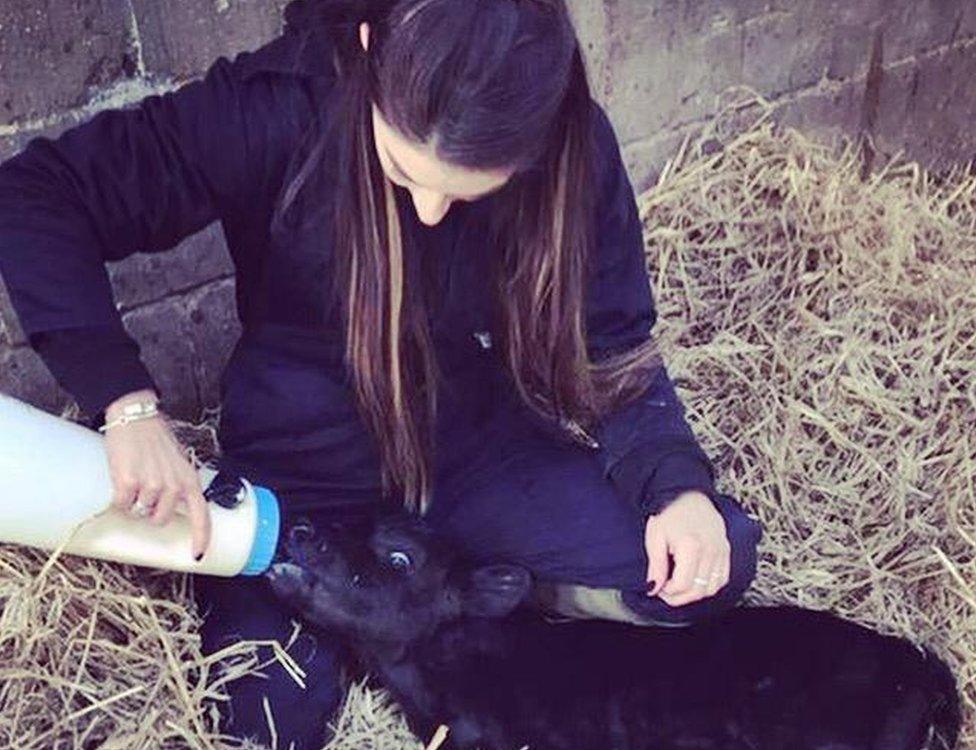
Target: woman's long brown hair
x,y
493,84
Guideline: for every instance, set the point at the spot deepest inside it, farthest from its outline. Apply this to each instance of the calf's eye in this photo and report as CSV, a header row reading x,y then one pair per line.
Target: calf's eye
x,y
400,559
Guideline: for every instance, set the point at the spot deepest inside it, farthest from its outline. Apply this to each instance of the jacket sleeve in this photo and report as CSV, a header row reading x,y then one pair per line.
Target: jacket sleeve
x,y
140,178
647,449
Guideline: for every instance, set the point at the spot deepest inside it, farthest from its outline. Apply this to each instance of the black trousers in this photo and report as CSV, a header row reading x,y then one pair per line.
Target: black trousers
x,y
506,491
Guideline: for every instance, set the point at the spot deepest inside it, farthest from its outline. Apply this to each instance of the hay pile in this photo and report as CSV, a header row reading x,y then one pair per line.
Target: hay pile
x,y
821,330
822,333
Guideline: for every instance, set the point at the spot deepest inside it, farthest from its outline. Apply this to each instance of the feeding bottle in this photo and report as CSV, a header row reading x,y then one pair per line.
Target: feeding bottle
x,y
54,475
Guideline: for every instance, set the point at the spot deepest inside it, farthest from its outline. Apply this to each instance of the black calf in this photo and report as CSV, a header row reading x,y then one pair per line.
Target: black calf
x,y
453,645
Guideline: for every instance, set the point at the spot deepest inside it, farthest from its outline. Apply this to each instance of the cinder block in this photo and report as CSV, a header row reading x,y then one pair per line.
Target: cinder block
x,y
667,61
787,52
590,22
913,27
645,159
830,113
24,376
52,54
691,17
181,39
146,277
13,139
850,51
163,332
186,340
927,108
11,334
215,329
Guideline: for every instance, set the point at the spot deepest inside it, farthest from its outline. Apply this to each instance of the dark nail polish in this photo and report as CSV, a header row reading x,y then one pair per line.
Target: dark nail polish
x,y
651,585
198,557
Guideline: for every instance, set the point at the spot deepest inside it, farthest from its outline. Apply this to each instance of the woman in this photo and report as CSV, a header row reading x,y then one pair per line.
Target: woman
x,y
440,277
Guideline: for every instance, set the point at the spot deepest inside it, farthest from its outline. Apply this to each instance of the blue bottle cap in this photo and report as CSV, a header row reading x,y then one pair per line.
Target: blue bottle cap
x,y
265,534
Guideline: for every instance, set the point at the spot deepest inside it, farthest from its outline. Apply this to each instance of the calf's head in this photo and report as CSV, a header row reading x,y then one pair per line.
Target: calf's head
x,y
388,580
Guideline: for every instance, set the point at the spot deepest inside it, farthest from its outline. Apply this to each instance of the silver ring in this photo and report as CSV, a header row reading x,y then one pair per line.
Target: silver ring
x,y
701,581
138,509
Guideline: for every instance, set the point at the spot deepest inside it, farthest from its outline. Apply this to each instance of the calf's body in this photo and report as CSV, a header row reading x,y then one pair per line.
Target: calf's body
x,y
456,647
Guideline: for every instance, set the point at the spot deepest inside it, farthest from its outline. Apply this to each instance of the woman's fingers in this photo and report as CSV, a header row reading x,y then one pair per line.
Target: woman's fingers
x,y
700,581
184,492
150,492
168,500
711,574
657,556
200,528
125,491
687,551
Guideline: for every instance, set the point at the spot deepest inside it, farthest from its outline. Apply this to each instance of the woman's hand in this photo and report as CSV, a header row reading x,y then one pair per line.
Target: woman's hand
x,y
152,475
692,530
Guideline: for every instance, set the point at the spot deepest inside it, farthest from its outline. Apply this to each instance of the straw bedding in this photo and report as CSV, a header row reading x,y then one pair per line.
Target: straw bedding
x,y
821,328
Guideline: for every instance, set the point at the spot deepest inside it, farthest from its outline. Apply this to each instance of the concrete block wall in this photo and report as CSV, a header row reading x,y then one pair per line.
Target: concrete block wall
x,y
903,71
900,70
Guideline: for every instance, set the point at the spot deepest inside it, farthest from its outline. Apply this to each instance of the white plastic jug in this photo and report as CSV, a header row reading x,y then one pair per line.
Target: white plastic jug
x,y
54,474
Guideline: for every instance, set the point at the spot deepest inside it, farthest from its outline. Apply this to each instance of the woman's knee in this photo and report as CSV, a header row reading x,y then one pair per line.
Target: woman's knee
x,y
744,533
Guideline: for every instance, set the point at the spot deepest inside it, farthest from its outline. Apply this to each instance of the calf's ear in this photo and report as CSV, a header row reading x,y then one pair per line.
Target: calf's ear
x,y
495,590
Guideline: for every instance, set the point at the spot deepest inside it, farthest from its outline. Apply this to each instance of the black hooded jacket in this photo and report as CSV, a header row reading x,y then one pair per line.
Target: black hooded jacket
x,y
142,178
